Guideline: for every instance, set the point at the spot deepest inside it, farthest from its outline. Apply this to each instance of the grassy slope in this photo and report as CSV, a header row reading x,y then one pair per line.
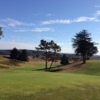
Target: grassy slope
x,y
25,83
92,67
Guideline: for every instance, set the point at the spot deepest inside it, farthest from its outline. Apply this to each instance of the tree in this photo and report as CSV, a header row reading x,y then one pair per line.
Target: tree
x,y
54,49
83,45
1,32
14,54
19,55
64,60
92,50
49,48
24,55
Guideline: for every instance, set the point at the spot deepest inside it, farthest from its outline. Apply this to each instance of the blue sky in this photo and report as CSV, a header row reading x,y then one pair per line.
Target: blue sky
x,y
26,22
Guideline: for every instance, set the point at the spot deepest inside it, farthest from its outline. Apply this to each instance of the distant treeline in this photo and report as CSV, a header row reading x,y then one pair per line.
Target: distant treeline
x,y
30,52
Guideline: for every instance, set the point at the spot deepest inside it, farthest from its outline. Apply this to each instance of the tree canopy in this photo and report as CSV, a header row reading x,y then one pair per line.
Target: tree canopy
x,y
19,55
1,32
64,60
82,44
49,48
14,53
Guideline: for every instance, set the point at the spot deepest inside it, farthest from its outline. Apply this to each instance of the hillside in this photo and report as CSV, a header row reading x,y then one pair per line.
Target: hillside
x,y
28,81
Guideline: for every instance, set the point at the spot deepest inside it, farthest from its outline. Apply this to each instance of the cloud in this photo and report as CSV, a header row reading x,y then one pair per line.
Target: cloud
x,y
42,29
35,30
57,21
49,15
98,53
29,46
21,30
1,25
97,13
97,6
13,23
68,21
65,49
50,38
85,19
11,45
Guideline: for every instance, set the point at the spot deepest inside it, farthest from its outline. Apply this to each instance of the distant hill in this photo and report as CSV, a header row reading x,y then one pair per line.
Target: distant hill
x,y
29,52
40,53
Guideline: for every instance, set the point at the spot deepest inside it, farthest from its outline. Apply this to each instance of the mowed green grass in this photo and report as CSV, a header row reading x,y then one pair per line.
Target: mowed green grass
x,y
29,83
92,67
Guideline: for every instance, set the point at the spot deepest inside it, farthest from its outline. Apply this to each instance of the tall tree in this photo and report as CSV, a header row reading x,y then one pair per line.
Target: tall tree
x,y
24,55
64,60
54,49
92,50
83,45
14,54
48,47
1,32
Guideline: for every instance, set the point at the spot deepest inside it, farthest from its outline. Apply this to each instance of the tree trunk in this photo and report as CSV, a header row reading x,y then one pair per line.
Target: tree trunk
x,y
53,59
46,61
84,59
51,64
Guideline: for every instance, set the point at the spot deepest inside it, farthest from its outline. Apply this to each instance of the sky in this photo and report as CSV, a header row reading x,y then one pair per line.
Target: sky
x,y
25,22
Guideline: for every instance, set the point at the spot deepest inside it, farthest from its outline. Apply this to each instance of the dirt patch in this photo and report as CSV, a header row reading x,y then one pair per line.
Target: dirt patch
x,y
72,66
4,67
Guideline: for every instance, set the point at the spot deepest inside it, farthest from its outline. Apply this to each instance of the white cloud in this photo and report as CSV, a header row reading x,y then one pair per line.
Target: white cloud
x,y
66,50
67,21
21,30
35,30
97,13
85,19
11,45
97,6
12,23
41,29
1,25
50,38
49,15
57,21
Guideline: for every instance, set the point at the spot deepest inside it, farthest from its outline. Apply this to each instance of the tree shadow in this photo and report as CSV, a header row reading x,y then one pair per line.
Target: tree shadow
x,y
74,65
55,70
58,68
78,65
52,69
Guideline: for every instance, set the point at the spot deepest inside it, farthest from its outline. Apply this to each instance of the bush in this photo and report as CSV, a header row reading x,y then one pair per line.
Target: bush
x,y
15,54
64,60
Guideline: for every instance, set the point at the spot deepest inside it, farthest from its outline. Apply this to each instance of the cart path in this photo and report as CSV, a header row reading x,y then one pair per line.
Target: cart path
x,y
71,66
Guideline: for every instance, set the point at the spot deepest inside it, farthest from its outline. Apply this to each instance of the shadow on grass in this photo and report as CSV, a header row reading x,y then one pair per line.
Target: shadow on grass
x,y
78,65
58,68
49,70
52,69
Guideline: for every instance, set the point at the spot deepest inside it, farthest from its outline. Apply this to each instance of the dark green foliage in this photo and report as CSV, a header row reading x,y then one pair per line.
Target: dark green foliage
x,y
14,54
64,60
1,32
50,49
83,45
24,55
92,50
19,55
